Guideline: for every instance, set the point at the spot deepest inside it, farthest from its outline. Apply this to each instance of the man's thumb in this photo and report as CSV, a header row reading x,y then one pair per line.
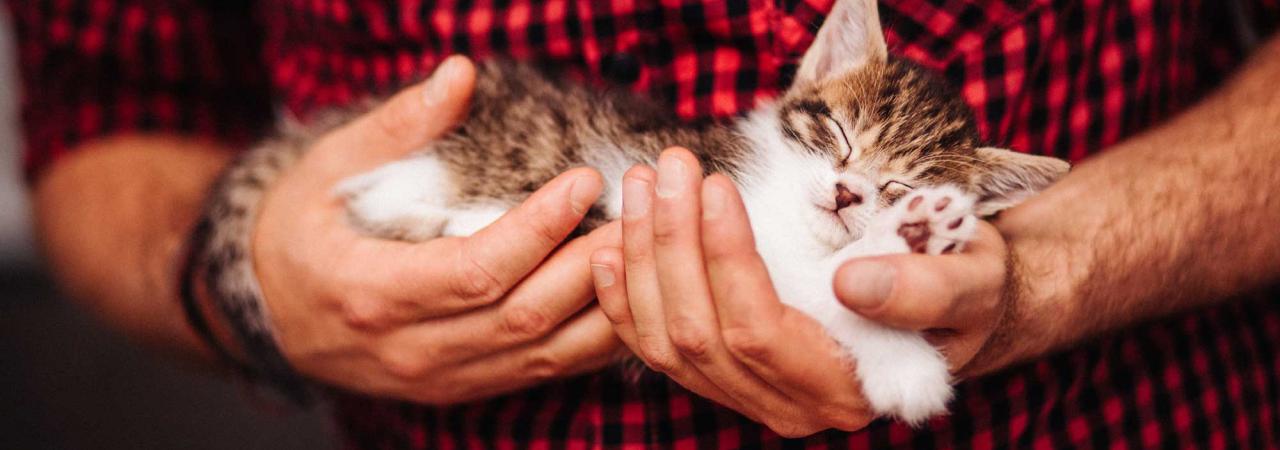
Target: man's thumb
x,y
903,291
866,285
407,121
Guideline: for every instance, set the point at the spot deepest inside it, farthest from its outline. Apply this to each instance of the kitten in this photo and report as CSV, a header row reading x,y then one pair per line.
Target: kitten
x,y
865,154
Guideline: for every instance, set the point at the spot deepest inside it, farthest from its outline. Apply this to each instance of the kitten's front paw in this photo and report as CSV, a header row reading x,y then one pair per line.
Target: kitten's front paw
x,y
934,220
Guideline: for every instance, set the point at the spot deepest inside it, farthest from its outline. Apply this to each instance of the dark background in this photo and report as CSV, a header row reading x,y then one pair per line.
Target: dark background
x,y
68,382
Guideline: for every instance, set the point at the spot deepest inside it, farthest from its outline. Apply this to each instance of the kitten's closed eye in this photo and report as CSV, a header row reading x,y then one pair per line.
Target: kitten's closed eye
x,y
893,190
842,139
894,184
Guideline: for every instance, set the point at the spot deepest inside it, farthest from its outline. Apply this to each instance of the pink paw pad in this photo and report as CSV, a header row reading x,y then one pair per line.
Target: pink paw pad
x,y
943,226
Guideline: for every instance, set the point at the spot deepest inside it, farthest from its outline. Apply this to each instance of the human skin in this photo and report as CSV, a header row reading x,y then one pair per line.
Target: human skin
x,y
439,322
1178,217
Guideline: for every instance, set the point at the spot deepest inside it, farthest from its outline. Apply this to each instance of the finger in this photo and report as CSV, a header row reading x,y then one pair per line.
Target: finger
x,y
744,295
691,321
677,249
565,353
928,291
406,122
644,299
611,289
785,348
584,343
534,309
450,275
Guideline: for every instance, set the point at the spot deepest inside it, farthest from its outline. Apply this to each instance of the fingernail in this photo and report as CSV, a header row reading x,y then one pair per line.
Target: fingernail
x,y
437,87
713,200
866,285
671,176
582,194
635,198
603,275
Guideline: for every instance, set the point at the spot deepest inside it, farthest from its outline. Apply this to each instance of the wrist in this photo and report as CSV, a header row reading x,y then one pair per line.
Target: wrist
x,y
202,315
1044,278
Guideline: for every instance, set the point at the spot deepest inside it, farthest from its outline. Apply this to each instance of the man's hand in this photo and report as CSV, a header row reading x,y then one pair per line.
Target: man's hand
x,y
692,298
443,321
1176,218
957,300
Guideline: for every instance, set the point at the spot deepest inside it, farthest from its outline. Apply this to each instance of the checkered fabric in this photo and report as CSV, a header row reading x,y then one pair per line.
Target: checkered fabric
x,y
1066,78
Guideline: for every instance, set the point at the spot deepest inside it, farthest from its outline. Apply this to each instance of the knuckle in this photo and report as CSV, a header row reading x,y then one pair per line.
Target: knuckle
x,y
691,341
546,227
748,345
730,251
405,365
475,283
661,364
632,257
524,321
657,357
363,313
618,313
543,364
719,254
665,235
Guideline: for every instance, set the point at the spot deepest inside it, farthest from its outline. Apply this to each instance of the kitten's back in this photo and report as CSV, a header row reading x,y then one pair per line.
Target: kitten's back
x,y
525,127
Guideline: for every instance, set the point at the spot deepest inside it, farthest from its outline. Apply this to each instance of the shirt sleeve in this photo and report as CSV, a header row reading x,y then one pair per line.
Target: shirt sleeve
x,y
91,68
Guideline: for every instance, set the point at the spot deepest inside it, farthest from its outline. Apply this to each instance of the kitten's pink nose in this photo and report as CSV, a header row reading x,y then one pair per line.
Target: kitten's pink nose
x,y
846,198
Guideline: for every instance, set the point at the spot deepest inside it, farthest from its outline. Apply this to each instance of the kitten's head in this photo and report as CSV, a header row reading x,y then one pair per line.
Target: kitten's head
x,y
870,128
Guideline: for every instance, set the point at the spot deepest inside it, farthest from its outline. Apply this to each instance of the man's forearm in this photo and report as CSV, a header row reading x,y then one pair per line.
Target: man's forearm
x,y
112,218
1180,216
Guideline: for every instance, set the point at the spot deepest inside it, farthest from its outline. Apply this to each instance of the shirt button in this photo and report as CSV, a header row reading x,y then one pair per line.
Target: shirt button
x,y
620,68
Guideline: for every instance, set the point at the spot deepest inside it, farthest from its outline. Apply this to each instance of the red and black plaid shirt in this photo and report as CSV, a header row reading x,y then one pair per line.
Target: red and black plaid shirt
x,y
1058,77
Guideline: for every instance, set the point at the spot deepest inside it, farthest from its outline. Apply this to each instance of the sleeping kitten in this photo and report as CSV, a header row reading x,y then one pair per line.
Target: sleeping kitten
x,y
864,155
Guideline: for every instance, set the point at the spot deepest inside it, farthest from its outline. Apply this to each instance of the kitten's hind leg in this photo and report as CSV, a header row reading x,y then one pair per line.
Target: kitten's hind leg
x,y
405,200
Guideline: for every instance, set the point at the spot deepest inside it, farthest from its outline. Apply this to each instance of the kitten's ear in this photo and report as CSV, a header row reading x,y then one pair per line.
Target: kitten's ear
x,y
1011,177
849,38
